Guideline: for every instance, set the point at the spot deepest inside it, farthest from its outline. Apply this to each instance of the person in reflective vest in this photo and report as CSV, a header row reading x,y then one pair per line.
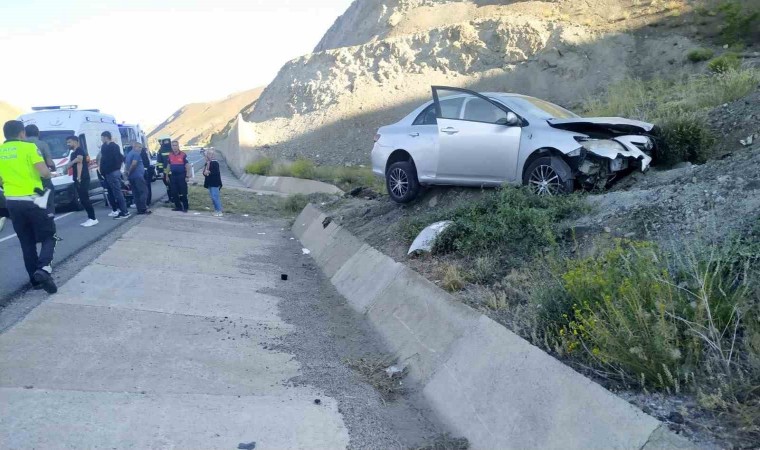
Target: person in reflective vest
x,y
22,168
180,170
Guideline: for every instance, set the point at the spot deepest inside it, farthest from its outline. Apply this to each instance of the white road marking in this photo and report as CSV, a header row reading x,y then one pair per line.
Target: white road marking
x,y
14,235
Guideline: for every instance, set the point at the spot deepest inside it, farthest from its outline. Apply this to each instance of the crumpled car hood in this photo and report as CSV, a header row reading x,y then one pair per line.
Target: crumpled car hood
x,y
615,124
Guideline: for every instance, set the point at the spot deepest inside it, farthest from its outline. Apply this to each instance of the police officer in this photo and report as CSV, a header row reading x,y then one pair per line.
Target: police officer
x,y
162,164
21,169
33,136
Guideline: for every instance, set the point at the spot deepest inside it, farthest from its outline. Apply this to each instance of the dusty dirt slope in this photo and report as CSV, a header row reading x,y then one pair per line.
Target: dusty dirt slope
x,y
378,61
195,123
8,112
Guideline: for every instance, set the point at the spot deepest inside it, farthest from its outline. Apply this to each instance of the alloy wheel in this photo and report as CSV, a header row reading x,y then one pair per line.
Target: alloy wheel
x,y
398,182
545,181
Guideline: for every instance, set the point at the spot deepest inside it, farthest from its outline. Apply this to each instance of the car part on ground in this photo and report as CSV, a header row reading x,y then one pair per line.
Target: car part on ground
x,y
465,138
426,239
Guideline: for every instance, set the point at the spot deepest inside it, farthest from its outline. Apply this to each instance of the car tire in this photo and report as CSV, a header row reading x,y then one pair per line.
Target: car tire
x,y
401,182
549,175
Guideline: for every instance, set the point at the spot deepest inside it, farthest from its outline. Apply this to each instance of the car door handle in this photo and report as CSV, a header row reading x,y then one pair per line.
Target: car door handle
x,y
414,134
450,130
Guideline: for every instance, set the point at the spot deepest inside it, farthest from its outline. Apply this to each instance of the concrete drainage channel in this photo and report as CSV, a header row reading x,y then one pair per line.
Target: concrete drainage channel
x,y
485,382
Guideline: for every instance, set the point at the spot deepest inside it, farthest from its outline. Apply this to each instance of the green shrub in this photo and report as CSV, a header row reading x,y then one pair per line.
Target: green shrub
x,y
295,203
700,54
724,63
741,23
282,170
261,166
302,168
684,138
654,318
679,105
511,218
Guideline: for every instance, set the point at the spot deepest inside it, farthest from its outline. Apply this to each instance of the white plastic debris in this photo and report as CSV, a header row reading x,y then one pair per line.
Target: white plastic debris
x,y
427,237
750,139
261,234
196,214
306,251
393,370
292,239
245,215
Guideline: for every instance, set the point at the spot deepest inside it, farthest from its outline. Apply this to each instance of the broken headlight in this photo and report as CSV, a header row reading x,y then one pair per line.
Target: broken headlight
x,y
602,147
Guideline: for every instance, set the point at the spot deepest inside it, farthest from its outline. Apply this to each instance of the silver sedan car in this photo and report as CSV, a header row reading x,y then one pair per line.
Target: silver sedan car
x,y
466,138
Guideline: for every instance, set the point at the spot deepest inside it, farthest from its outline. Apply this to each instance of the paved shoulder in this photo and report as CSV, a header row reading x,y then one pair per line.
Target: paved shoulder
x,y
163,341
182,334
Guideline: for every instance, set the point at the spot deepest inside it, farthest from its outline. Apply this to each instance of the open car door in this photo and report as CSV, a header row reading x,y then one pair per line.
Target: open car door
x,y
478,142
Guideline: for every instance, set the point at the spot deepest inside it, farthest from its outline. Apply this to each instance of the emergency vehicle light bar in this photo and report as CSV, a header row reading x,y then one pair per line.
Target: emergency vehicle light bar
x,y
44,108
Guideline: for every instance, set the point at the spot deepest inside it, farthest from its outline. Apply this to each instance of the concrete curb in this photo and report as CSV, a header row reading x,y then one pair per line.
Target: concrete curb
x,y
485,382
288,185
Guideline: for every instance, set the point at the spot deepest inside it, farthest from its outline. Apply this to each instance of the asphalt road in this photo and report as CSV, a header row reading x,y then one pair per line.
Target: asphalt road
x,y
13,277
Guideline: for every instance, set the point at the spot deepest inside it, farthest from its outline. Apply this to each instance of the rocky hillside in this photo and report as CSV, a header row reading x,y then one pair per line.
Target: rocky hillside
x,y
8,112
197,122
378,61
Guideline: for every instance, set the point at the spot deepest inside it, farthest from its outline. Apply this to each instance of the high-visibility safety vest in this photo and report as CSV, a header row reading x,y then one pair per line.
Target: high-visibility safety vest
x,y
17,160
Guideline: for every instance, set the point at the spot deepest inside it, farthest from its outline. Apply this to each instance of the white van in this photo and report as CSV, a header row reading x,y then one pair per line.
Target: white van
x,y
56,123
132,133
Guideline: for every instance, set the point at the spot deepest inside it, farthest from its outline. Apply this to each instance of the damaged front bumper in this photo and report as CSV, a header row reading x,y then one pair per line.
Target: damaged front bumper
x,y
600,160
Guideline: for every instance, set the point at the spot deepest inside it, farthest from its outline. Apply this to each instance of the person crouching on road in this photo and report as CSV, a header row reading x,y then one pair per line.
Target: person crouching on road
x,y
135,169
80,164
213,181
180,174
110,166
21,169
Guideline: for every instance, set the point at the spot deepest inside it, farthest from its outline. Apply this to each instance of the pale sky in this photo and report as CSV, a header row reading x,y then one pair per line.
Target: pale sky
x,y
140,60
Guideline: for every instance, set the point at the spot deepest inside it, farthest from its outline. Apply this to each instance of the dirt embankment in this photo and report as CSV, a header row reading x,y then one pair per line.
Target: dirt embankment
x,y
195,123
380,58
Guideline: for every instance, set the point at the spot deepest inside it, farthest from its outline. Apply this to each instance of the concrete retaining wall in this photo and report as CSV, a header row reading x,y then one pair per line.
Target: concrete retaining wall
x,y
485,382
238,150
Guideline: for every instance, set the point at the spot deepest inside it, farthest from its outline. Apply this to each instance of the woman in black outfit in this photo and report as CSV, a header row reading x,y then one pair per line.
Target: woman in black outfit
x,y
213,181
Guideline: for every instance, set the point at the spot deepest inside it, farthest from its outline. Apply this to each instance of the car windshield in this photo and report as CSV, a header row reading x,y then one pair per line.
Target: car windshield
x,y
56,140
541,108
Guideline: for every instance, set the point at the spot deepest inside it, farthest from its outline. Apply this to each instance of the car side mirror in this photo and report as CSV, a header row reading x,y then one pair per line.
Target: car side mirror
x,y
511,120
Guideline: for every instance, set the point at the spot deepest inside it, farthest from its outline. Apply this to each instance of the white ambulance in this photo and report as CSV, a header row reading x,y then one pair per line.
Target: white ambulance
x,y
56,123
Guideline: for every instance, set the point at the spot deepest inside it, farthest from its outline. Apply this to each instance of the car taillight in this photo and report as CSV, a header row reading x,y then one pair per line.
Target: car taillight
x,y
377,137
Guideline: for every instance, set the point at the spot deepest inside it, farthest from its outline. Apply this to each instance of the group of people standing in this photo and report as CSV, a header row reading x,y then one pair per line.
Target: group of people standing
x,y
26,169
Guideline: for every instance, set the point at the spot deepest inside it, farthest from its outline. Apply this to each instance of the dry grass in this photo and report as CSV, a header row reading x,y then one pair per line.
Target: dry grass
x,y
453,278
373,371
240,202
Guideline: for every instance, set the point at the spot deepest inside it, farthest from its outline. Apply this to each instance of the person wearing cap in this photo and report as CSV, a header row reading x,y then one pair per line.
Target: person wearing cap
x,y
22,168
